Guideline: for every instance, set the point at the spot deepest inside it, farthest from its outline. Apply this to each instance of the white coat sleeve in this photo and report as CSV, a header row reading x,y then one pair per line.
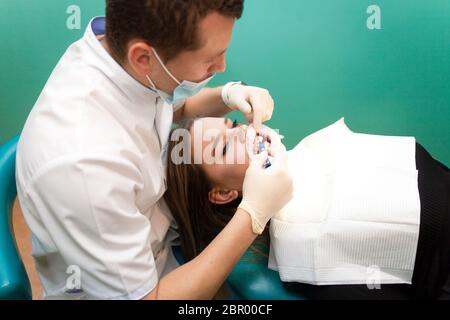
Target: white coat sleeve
x,y
88,206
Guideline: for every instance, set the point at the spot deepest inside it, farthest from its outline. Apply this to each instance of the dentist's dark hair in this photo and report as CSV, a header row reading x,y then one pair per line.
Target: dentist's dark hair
x,y
170,26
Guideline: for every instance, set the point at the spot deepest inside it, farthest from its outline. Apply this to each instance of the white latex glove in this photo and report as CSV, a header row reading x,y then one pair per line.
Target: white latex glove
x,y
266,191
255,103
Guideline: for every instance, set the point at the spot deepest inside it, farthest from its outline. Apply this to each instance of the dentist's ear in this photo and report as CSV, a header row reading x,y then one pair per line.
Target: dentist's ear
x,y
139,57
220,196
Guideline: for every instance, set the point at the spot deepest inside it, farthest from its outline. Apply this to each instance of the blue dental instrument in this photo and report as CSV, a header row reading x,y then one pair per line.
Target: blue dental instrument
x,y
261,148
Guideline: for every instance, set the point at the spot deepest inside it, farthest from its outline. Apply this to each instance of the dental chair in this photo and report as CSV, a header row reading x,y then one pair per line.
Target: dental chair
x,y
14,283
252,280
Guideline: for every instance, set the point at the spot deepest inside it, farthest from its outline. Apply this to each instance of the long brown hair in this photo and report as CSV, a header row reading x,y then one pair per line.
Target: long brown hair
x,y
199,220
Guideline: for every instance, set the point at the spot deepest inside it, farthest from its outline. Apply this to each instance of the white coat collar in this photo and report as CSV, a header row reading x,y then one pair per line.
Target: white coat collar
x,y
132,88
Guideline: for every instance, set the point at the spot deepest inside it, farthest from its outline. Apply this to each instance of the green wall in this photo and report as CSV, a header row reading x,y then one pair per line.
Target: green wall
x,y
317,57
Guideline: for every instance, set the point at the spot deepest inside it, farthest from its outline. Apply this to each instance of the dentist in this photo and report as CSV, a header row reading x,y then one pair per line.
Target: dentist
x,y
91,159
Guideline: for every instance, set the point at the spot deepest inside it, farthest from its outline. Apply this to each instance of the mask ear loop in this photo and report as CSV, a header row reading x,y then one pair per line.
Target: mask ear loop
x,y
151,82
165,68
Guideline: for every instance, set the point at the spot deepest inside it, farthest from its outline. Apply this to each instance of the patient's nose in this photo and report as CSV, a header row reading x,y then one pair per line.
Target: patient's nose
x,y
242,132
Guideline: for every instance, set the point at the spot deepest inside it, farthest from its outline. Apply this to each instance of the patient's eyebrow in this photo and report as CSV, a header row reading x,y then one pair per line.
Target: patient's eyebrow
x,y
219,136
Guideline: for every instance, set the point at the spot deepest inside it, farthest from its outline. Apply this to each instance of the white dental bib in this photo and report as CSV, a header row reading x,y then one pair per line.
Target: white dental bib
x,y
355,215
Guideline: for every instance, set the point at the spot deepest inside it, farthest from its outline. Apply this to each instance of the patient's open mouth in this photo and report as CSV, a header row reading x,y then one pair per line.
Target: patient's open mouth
x,y
254,138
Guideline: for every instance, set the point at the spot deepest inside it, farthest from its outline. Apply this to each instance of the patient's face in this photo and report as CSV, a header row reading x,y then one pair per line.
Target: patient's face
x,y
221,145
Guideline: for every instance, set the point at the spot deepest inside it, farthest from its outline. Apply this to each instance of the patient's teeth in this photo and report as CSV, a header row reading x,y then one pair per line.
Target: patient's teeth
x,y
253,139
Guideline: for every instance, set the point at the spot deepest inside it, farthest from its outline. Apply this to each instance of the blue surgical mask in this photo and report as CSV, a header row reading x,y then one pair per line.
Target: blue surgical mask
x,y
184,89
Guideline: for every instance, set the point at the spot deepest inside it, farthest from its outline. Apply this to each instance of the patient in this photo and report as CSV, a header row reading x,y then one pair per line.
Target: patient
x,y
358,199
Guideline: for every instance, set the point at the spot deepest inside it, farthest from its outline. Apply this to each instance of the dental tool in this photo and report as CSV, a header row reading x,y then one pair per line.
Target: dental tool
x,y
256,141
261,148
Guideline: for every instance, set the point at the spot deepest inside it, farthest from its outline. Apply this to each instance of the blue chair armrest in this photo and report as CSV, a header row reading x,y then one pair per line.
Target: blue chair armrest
x,y
251,279
14,283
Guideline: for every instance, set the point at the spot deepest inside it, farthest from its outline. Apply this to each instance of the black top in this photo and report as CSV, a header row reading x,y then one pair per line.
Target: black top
x,y
432,268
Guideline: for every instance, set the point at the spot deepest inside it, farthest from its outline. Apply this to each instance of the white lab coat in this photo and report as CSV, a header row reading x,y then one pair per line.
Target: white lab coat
x,y
90,173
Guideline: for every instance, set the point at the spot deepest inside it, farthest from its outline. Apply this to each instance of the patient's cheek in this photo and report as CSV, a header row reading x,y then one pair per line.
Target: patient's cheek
x,y
243,170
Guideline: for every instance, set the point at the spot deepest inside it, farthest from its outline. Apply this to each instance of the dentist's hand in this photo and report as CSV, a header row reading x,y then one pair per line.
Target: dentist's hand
x,y
266,191
255,103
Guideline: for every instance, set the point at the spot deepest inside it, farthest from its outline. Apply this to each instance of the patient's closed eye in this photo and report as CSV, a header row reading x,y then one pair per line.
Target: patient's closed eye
x,y
225,148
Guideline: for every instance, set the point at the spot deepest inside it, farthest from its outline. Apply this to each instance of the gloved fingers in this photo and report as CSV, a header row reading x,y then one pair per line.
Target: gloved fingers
x,y
279,153
269,108
243,106
266,104
258,110
262,105
259,160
